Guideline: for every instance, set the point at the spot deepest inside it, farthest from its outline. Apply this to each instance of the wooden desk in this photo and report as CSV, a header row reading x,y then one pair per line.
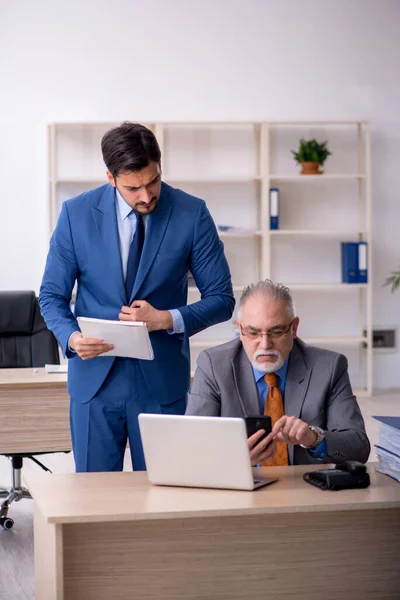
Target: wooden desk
x,y
114,536
34,409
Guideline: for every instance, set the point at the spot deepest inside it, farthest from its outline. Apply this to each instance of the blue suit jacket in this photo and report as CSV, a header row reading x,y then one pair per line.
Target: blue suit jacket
x,y
84,247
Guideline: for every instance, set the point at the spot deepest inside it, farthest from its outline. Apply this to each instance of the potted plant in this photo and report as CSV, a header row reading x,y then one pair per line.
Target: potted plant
x,y
311,156
393,280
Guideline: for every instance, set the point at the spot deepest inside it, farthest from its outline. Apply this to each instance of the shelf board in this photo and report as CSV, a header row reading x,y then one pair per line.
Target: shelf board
x,y
210,123
326,286
211,180
170,180
313,341
67,181
88,124
192,289
317,123
359,393
209,343
238,234
246,123
226,179
317,232
335,340
316,177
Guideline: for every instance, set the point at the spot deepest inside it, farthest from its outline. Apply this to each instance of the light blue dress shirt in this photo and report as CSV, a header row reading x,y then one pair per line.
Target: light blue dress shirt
x,y
127,220
262,390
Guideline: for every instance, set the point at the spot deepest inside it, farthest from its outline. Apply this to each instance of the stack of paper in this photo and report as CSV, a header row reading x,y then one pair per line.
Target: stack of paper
x,y
129,338
56,368
388,447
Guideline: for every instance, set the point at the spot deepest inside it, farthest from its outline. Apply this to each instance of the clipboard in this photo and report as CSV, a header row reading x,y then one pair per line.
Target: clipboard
x,y
129,338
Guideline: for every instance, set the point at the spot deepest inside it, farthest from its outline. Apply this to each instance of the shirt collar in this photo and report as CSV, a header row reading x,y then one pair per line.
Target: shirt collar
x,y
280,372
123,207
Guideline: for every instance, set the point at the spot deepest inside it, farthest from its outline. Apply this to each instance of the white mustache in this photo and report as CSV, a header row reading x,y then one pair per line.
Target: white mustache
x,y
277,362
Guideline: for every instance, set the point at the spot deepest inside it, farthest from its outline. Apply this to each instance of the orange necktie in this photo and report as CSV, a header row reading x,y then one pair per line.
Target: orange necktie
x,y
274,409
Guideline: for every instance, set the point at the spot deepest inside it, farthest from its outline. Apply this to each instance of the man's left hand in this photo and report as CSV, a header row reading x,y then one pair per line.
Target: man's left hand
x,y
140,310
293,431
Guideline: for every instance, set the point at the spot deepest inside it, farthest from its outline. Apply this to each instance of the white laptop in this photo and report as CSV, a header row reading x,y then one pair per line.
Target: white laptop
x,y
207,452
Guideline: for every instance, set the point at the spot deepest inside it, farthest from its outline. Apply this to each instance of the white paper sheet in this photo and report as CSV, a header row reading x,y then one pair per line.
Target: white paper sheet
x,y
129,338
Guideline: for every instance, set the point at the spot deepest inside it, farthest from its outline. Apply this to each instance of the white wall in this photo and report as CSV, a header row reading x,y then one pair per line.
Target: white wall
x,y
102,60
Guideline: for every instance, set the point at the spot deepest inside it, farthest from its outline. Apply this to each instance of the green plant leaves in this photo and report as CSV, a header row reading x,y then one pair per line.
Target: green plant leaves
x,y
311,151
393,280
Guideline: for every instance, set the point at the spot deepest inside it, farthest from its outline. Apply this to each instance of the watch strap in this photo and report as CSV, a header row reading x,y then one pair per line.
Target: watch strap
x,y
320,437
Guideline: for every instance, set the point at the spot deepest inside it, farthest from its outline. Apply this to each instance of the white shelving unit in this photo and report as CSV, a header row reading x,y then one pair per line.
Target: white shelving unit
x,y
232,166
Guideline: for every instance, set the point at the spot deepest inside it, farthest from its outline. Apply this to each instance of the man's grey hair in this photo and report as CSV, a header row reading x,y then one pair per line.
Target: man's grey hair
x,y
272,291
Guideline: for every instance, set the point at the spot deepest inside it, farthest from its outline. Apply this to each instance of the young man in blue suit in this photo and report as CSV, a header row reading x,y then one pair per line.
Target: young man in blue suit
x,y
129,246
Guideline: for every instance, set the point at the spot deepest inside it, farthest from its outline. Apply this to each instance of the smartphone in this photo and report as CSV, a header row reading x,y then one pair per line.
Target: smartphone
x,y
254,424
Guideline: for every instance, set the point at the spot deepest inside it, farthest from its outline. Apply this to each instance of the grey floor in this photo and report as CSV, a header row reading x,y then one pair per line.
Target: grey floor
x,y
16,545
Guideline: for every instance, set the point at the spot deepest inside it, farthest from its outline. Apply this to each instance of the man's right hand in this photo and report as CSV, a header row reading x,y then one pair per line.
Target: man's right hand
x,y
88,348
259,452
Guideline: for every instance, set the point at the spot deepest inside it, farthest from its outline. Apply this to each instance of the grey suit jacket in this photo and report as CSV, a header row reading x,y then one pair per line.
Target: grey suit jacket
x,y
318,391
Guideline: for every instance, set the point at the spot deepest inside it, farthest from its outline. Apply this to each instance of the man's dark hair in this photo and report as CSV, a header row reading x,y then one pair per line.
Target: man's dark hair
x,y
129,147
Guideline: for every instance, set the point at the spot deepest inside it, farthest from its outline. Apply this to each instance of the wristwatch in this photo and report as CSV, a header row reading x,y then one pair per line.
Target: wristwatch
x,y
320,436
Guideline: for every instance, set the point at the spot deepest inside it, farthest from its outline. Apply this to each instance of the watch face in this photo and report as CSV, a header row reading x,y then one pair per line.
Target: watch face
x,y
320,434
317,430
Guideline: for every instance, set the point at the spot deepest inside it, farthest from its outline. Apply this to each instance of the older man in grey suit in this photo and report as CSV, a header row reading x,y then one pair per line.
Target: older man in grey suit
x,y
268,370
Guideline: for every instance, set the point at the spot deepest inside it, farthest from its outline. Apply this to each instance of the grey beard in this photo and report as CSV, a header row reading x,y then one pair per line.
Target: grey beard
x,y
272,367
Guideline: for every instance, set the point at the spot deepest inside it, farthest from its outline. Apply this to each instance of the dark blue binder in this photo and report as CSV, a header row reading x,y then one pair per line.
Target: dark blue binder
x,y
349,262
362,270
274,208
378,447
391,421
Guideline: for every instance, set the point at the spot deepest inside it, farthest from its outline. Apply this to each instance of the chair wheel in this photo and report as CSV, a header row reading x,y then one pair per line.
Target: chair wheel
x,y
6,522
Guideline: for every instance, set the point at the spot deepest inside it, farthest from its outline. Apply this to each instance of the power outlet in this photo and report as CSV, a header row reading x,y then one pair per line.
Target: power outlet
x,y
384,339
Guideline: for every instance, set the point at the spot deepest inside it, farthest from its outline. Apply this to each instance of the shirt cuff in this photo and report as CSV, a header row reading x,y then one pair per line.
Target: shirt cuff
x,y
178,322
319,451
69,347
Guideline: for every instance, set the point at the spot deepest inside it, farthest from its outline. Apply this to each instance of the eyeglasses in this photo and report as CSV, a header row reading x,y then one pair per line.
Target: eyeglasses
x,y
274,333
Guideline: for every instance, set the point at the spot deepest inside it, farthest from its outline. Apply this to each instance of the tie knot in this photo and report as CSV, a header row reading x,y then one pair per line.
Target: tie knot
x,y
271,379
138,216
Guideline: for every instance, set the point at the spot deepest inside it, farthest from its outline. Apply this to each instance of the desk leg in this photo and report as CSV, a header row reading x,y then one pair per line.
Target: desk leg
x,y
48,559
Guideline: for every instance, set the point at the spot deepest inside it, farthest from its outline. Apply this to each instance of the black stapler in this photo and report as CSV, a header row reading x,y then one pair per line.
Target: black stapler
x,y
346,475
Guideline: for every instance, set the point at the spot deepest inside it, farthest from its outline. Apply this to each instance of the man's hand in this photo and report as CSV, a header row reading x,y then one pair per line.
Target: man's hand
x,y
293,431
88,348
259,452
140,310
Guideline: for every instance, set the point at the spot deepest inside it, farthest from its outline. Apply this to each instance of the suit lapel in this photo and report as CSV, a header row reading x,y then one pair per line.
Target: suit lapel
x,y
106,224
245,383
297,380
156,227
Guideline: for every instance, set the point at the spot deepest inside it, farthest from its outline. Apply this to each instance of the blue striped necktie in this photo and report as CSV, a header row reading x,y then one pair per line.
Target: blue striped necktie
x,y
135,252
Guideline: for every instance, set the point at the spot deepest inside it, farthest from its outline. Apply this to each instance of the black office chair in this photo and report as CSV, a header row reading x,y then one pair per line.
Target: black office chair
x,y
25,341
